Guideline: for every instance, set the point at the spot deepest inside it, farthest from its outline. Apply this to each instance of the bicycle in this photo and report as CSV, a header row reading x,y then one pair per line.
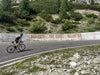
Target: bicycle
x,y
20,47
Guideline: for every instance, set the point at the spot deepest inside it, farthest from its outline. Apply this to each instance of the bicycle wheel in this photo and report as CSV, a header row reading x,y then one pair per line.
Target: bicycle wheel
x,y
21,47
10,49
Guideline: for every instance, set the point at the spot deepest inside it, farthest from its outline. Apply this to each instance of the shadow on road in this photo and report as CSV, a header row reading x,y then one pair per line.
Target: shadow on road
x,y
26,50
18,51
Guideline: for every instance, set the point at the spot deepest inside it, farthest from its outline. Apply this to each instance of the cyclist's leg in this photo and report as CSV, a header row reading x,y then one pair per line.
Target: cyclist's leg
x,y
17,43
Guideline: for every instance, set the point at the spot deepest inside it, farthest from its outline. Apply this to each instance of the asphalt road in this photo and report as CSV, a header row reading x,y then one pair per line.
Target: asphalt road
x,y
36,47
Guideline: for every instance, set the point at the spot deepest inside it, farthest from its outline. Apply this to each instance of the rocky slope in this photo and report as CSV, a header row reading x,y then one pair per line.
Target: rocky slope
x,y
87,1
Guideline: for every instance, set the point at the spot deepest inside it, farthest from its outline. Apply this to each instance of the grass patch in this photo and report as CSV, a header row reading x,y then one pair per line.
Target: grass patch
x,y
21,66
36,69
9,73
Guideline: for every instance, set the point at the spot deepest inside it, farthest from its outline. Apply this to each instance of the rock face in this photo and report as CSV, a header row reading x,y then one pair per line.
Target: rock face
x,y
18,1
87,1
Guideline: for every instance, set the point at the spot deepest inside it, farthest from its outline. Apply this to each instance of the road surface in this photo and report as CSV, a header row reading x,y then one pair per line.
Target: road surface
x,y
35,47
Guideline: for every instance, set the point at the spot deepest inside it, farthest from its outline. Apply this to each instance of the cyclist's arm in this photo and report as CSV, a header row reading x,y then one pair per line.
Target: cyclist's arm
x,y
20,39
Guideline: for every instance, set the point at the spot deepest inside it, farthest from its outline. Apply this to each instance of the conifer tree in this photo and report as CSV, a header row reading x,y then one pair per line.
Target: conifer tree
x,y
92,2
24,5
58,2
63,9
6,5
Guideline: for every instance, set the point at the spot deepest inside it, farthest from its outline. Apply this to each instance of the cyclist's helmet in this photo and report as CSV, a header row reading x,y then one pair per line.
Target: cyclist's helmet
x,y
21,34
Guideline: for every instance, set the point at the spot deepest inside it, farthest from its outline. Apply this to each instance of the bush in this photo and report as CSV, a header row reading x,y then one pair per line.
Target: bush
x,y
91,21
8,25
46,16
67,26
84,6
2,26
91,15
76,22
6,17
22,22
38,27
47,5
91,29
19,29
22,14
10,29
97,27
76,16
57,21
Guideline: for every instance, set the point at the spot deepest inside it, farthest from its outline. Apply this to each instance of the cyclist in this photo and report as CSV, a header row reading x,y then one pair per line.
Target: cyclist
x,y
18,39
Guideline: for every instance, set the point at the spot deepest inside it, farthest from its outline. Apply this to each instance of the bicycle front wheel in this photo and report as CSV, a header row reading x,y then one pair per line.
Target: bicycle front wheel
x,y
21,47
10,49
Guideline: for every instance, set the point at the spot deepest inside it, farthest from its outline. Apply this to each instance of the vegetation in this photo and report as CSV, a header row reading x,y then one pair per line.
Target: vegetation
x,y
67,26
46,16
92,2
76,16
16,17
38,27
36,68
63,9
91,15
6,5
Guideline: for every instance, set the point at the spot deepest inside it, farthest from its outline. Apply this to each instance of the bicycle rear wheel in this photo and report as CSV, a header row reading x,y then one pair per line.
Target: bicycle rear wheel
x,y
21,47
10,49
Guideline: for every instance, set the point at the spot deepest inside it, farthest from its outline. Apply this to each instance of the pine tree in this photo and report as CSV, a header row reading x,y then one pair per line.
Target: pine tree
x,y
58,3
92,2
24,5
6,5
63,9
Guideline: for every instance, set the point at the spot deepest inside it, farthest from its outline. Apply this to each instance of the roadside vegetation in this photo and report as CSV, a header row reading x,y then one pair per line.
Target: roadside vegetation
x,y
38,17
58,62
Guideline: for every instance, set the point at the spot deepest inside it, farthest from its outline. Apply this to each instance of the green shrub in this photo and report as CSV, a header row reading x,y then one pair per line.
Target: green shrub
x,y
8,25
91,29
22,14
97,27
2,26
76,22
15,4
46,16
19,29
91,15
67,26
85,6
38,27
57,21
48,5
10,29
6,17
91,21
34,18
76,16
22,22
98,23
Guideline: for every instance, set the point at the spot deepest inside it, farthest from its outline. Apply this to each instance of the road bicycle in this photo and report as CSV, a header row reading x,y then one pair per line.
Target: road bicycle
x,y
12,48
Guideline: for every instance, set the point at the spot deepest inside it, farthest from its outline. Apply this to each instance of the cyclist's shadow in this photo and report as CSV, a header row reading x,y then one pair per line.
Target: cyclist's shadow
x,y
24,50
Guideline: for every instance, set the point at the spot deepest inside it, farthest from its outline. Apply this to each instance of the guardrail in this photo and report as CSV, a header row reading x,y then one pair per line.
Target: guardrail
x,y
6,37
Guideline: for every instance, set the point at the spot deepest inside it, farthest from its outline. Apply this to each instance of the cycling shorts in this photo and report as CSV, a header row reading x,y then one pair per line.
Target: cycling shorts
x,y
16,41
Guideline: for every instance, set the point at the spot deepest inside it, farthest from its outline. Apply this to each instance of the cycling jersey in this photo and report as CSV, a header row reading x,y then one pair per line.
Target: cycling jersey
x,y
17,39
